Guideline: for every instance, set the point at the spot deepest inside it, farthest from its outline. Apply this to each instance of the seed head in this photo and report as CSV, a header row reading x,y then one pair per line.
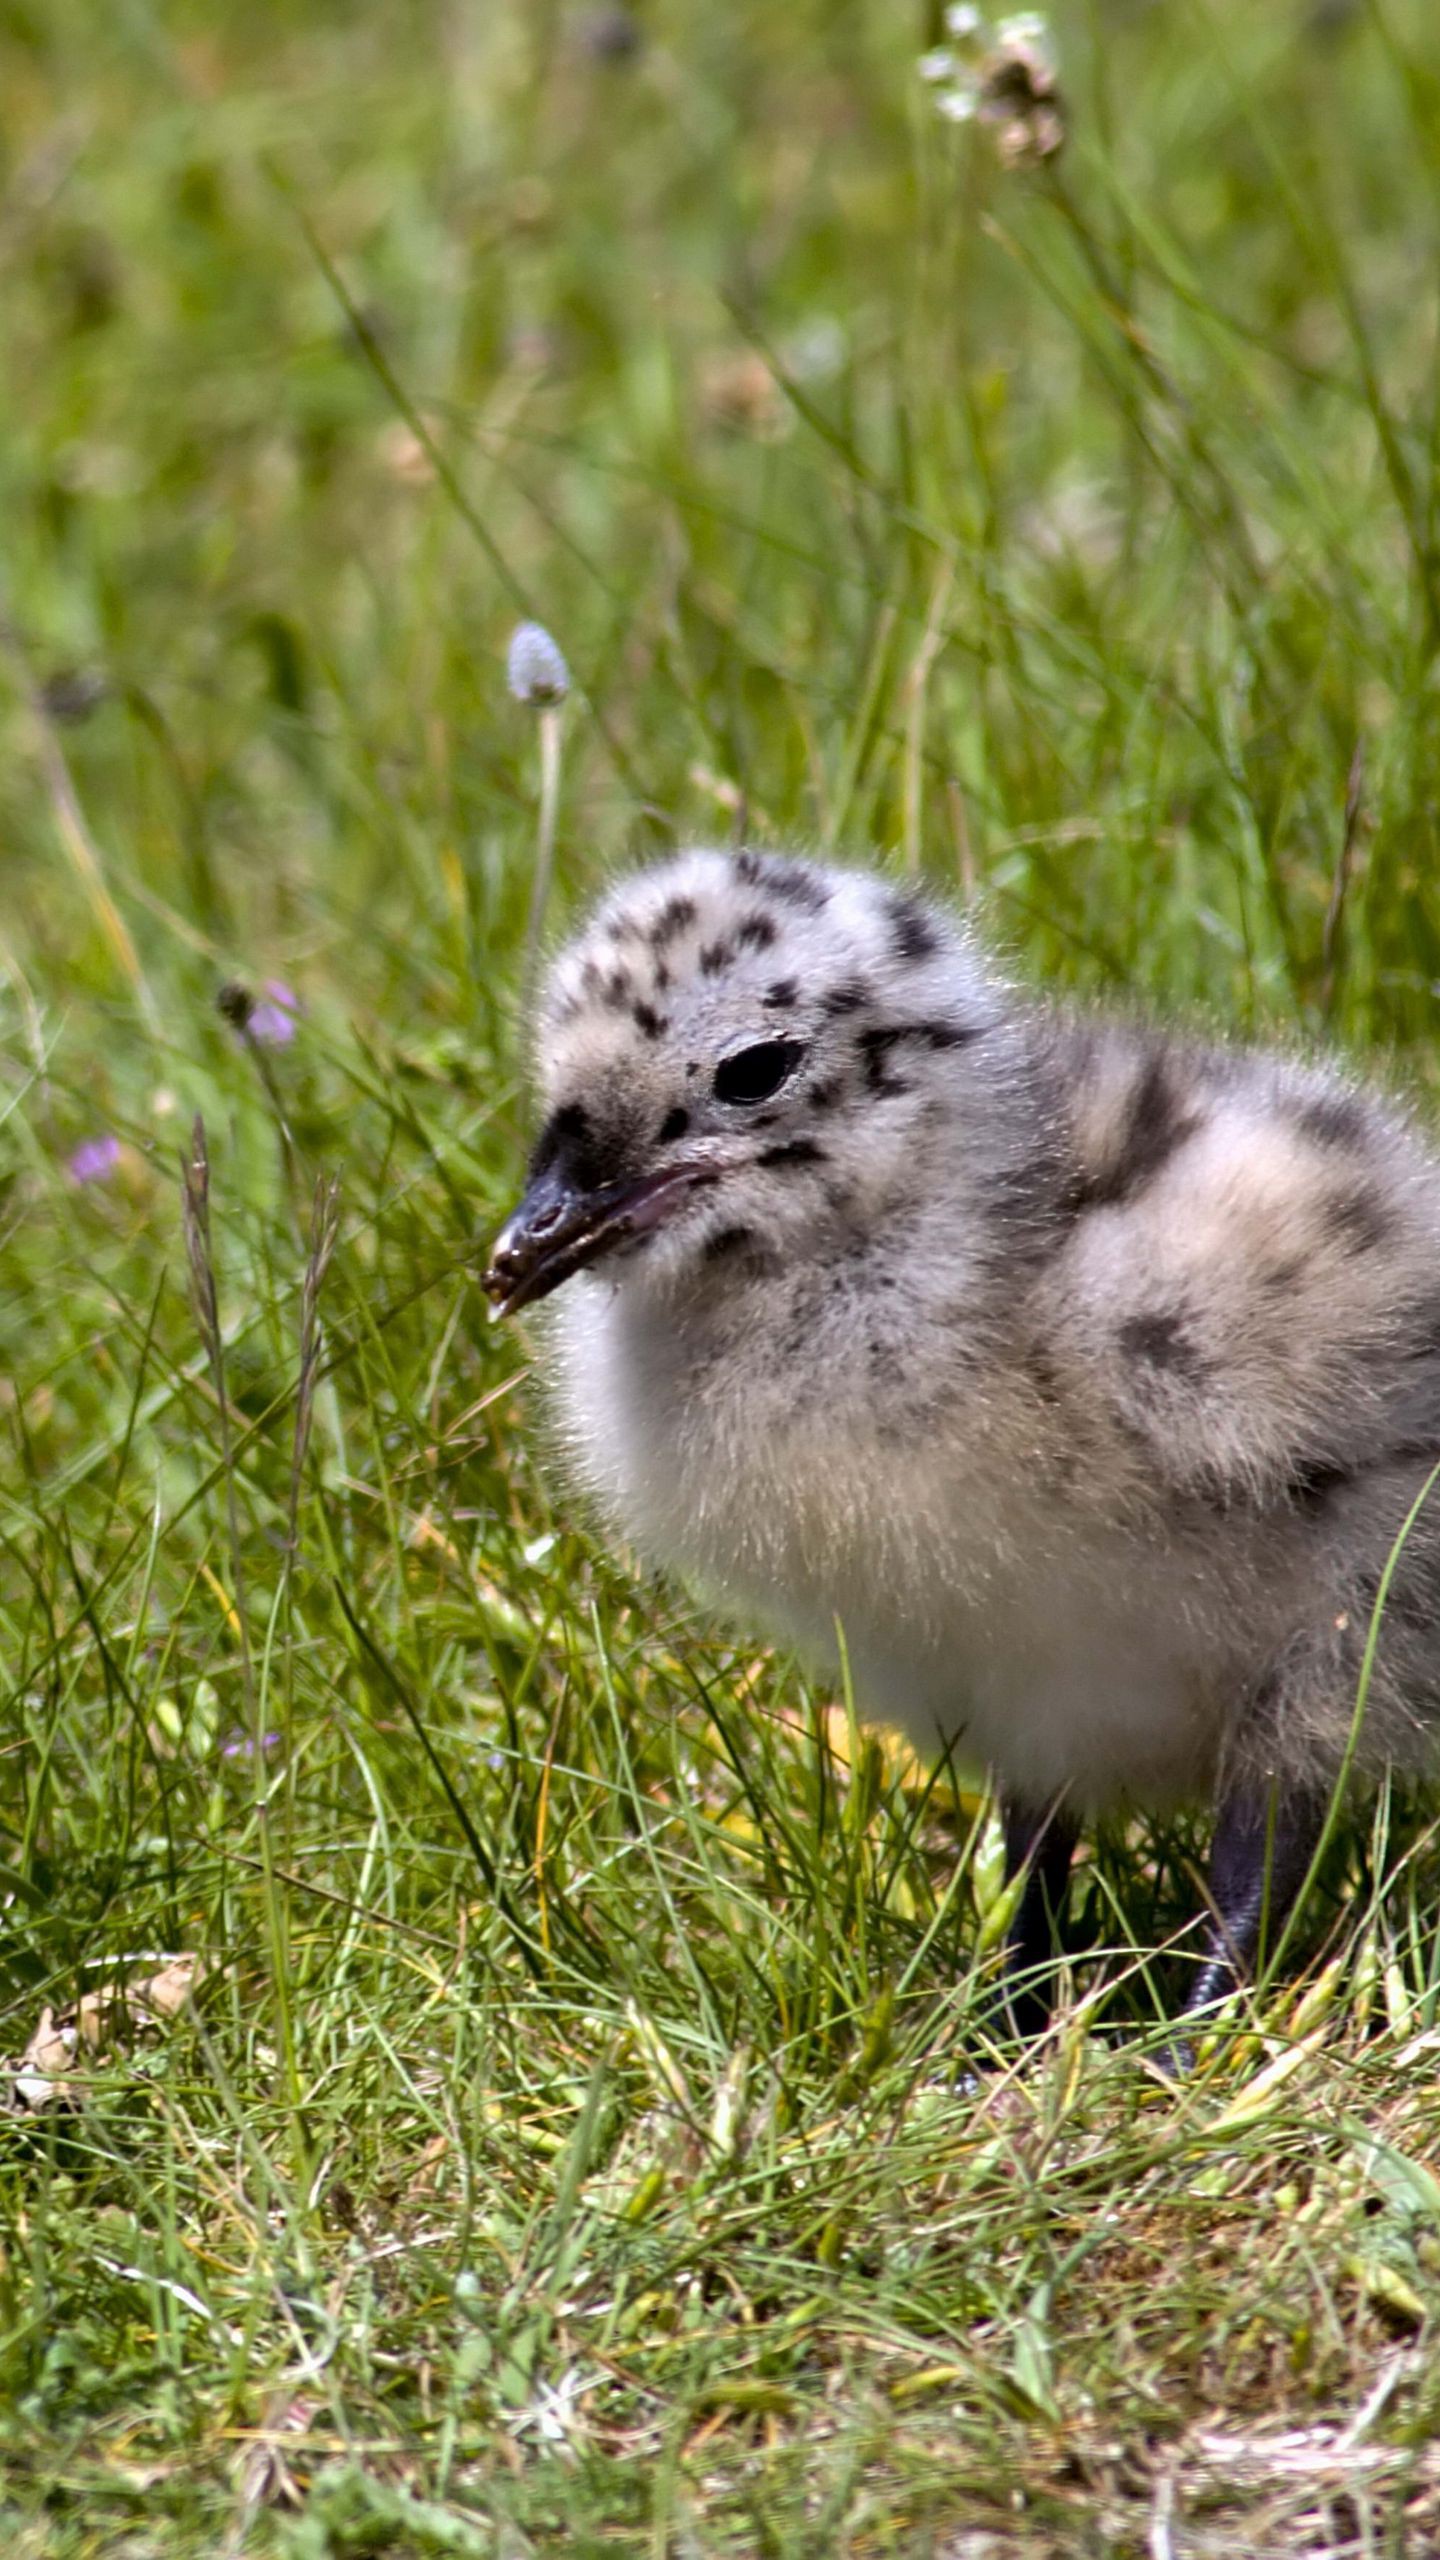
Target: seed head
x,y
235,1004
73,693
535,667
611,35
270,1018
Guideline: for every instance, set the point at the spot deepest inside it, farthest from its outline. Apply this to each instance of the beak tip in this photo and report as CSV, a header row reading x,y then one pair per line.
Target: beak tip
x,y
498,1287
557,1231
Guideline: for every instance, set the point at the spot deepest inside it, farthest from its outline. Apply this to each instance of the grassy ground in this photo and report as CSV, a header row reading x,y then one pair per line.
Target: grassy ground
x,y
566,2142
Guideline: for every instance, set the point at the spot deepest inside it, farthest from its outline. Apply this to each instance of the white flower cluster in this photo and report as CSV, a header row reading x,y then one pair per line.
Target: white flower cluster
x,y
1003,75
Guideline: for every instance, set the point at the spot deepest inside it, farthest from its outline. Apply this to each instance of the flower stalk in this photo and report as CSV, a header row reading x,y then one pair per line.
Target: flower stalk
x,y
538,676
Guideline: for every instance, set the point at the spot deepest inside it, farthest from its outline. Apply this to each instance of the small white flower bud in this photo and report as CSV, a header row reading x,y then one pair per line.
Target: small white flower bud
x,y
535,668
1028,26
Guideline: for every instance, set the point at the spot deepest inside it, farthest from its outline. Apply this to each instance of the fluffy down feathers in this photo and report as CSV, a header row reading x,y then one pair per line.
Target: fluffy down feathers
x,y
1085,1374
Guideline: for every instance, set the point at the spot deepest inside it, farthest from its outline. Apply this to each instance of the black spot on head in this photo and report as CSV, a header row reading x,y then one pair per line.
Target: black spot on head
x,y
571,1143
675,917
619,988
1315,1483
674,1125
780,995
715,958
793,1151
874,1047
648,1021
799,888
940,1035
825,1095
1159,1339
1335,1120
564,1131
757,931
789,880
913,935
850,997
1157,1123
727,1242
1311,1485
1359,1220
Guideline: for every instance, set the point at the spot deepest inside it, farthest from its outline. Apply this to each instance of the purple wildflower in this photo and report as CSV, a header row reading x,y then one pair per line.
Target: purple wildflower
x,y
273,1020
241,1746
95,1159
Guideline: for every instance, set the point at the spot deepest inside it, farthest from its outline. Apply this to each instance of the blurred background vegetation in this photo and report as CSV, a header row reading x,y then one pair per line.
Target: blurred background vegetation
x,y
1066,534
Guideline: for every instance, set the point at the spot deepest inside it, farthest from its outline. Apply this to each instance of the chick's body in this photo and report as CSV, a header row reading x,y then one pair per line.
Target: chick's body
x,y
1085,1376
974,1614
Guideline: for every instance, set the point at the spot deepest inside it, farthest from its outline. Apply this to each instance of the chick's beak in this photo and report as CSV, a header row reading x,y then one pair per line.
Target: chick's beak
x,y
560,1228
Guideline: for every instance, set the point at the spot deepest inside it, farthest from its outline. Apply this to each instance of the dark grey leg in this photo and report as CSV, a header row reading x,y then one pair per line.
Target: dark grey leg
x,y
1265,1838
1043,1844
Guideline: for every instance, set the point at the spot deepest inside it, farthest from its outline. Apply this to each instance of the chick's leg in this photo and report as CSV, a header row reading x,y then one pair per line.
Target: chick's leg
x,y
1041,1844
1265,1838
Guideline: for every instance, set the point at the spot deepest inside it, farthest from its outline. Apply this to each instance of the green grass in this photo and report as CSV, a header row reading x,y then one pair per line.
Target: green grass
x,y
570,2143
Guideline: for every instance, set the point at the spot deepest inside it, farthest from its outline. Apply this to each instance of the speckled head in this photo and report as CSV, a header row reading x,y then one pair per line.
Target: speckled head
x,y
729,1055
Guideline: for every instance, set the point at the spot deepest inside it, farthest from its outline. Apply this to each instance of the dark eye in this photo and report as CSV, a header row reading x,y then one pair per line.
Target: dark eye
x,y
752,1075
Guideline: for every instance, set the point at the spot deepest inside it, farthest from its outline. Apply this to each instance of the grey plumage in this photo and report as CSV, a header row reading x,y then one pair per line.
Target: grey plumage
x,y
1085,1373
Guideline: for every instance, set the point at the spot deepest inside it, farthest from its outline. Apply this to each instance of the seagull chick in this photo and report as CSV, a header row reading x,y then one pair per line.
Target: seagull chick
x,y
1085,1374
